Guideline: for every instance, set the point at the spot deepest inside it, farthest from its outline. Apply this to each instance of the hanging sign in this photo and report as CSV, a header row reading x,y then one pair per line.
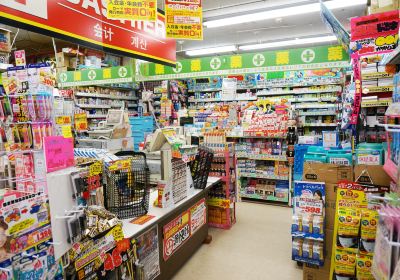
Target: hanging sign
x,y
20,59
184,19
335,26
259,62
103,76
376,33
132,10
81,123
59,152
86,23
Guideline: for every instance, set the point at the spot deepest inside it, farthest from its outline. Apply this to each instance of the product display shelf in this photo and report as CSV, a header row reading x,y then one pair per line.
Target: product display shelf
x,y
263,197
262,176
261,157
222,199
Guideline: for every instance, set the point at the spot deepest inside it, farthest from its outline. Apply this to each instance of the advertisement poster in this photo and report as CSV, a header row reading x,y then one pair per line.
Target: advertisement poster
x,y
59,152
148,253
178,231
376,33
198,216
87,24
184,19
81,123
335,26
145,10
309,198
20,59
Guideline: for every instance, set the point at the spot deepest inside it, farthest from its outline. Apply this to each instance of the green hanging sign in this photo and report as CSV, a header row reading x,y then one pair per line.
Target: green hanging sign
x,y
89,77
280,60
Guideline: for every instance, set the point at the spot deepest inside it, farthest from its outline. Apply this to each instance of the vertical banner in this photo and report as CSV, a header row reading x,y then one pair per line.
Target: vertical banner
x,y
335,26
184,19
145,10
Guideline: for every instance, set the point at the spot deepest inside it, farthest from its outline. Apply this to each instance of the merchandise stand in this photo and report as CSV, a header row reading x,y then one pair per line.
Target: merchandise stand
x,y
164,216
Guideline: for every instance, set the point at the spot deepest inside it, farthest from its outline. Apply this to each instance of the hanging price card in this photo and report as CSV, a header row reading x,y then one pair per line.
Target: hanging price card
x,y
81,123
184,19
145,10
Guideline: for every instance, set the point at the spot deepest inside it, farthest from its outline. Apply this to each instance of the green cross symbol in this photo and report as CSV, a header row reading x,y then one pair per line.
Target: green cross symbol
x,y
122,72
178,67
92,75
215,63
258,59
63,77
308,55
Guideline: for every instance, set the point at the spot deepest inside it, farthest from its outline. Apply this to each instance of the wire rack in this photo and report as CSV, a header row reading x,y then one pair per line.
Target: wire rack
x,y
126,192
201,166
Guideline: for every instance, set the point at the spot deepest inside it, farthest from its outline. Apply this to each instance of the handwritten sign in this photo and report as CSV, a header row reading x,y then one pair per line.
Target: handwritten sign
x,y
66,131
59,153
81,123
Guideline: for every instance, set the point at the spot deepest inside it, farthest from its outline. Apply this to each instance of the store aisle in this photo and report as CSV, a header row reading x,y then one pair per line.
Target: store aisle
x,y
258,247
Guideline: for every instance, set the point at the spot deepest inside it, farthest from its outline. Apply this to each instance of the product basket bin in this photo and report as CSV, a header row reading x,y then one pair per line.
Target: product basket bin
x,y
126,192
201,167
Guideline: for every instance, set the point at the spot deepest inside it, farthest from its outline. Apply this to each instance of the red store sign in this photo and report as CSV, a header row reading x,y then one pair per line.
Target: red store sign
x,y
85,22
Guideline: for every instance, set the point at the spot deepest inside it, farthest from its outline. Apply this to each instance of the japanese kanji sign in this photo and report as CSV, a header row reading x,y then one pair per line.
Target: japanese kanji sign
x,y
85,22
184,19
112,75
269,61
132,9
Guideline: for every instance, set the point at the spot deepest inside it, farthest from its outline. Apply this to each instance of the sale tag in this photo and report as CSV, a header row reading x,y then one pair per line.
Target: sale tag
x,y
66,131
95,169
81,123
61,120
20,59
117,233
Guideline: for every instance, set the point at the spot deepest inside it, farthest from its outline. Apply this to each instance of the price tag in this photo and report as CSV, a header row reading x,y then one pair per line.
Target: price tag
x,y
66,131
117,233
95,169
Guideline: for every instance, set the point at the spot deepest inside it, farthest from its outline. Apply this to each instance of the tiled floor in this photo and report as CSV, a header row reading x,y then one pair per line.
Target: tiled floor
x,y
258,247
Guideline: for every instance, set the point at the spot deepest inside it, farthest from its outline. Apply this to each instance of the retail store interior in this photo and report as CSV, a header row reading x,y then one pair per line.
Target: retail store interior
x,y
199,139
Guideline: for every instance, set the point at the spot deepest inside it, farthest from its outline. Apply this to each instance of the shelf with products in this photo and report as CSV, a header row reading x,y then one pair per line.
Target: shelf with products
x,y
295,91
265,189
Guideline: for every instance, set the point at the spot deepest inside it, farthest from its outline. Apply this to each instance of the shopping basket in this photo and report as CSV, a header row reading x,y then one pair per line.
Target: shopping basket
x,y
201,166
126,192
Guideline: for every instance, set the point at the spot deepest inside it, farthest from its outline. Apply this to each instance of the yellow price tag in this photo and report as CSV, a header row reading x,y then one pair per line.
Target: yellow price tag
x,y
66,131
96,168
120,165
117,233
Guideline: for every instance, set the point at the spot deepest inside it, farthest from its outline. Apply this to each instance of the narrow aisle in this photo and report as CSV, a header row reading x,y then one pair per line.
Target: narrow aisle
x,y
258,247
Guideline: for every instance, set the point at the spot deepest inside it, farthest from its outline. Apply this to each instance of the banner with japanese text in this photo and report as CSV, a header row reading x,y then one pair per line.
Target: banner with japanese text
x,y
184,19
85,22
145,10
267,61
104,76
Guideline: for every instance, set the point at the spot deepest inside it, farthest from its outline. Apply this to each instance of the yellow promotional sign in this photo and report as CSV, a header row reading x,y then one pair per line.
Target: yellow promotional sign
x,y
145,10
63,120
184,19
81,123
66,131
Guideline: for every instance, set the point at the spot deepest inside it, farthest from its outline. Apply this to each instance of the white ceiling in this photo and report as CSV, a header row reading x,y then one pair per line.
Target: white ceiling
x,y
262,31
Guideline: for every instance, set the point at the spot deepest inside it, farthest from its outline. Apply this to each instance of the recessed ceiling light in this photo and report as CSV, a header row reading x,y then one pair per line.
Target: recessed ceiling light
x,y
214,50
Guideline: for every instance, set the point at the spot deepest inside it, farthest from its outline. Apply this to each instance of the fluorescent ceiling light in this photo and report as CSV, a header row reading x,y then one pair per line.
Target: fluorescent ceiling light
x,y
211,50
284,12
297,42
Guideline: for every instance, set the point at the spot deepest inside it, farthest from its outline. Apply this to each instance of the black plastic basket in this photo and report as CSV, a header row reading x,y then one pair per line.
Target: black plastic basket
x,y
126,192
201,166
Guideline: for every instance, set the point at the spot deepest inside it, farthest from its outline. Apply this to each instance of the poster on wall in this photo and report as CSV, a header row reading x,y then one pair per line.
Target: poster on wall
x,y
183,227
148,253
132,10
89,26
184,19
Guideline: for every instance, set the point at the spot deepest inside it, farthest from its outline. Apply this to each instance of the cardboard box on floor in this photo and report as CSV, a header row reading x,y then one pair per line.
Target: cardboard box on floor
x,y
326,172
317,273
380,6
371,174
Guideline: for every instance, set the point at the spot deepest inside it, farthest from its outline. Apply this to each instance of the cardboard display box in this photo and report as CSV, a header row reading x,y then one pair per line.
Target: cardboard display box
x,y
380,6
311,272
326,172
371,174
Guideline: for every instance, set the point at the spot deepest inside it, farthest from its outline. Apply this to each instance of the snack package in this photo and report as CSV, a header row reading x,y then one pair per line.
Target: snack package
x,y
345,263
364,264
348,228
369,222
